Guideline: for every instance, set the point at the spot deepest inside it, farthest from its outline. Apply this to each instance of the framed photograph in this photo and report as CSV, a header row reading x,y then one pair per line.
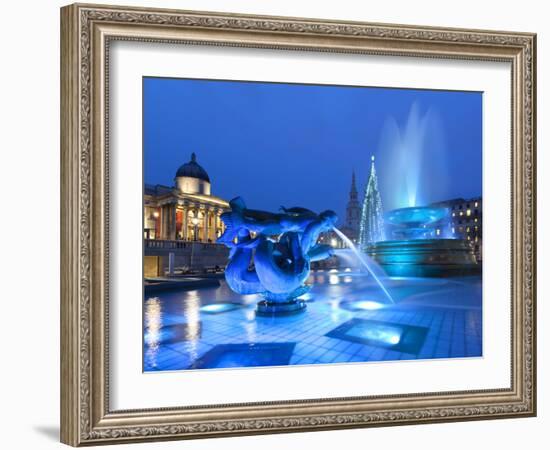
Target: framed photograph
x,y
275,224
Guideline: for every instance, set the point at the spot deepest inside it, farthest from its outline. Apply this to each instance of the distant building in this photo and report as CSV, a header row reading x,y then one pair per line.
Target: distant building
x,y
466,221
186,211
181,224
353,213
350,226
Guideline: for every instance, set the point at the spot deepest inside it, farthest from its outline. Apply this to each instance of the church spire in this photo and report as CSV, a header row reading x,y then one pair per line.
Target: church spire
x,y
353,189
353,211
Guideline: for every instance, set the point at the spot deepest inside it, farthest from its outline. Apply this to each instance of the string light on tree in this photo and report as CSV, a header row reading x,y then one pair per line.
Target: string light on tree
x,y
371,228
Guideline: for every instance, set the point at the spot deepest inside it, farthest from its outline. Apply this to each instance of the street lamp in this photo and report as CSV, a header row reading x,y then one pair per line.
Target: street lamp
x,y
155,218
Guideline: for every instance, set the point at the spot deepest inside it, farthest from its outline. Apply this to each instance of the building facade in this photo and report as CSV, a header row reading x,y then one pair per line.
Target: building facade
x,y
187,211
181,224
466,221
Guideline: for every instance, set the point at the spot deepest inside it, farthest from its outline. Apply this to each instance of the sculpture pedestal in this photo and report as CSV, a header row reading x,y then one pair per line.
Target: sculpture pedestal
x,y
277,308
282,304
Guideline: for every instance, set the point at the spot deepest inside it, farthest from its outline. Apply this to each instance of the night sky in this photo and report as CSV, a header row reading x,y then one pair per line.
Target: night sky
x,y
296,145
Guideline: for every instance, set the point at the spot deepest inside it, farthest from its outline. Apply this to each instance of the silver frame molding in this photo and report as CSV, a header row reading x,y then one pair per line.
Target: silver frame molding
x,y
86,33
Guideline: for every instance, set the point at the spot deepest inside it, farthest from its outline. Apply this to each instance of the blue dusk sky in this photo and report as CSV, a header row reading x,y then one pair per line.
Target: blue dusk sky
x,y
296,145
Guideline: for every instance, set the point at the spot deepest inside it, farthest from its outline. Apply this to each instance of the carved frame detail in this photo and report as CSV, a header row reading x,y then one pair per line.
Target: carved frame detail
x,y
86,33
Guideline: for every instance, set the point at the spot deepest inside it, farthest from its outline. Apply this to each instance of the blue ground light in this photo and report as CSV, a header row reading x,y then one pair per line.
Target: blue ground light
x,y
347,320
393,336
245,355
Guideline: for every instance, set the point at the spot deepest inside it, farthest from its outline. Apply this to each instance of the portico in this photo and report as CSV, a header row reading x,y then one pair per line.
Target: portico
x,y
186,211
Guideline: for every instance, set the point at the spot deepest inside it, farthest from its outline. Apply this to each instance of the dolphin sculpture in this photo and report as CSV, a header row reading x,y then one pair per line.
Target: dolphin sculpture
x,y
271,253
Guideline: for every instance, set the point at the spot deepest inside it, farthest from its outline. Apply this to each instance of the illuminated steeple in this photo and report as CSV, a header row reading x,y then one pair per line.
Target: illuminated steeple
x,y
353,211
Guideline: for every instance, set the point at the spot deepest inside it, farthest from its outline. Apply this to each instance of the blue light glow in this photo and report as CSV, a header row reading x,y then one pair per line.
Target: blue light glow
x,y
216,308
368,305
379,333
361,305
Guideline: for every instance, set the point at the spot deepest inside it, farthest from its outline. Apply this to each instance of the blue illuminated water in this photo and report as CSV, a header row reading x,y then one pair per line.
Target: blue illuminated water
x,y
366,262
410,150
348,320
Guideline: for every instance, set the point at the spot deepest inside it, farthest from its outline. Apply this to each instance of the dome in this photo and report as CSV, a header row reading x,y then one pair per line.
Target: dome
x,y
193,170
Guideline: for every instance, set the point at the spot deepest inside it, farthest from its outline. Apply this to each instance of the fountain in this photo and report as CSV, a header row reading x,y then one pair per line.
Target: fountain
x,y
420,247
417,222
417,238
271,253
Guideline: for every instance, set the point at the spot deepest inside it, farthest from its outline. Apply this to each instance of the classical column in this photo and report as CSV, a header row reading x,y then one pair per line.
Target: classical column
x,y
172,209
194,223
222,225
185,225
163,222
175,217
212,225
167,225
219,224
206,217
166,214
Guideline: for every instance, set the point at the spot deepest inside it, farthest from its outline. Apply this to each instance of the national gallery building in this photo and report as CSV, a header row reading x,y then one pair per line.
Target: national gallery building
x,y
181,224
187,211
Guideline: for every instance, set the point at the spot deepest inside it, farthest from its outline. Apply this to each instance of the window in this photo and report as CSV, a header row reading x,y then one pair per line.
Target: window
x,y
476,204
469,212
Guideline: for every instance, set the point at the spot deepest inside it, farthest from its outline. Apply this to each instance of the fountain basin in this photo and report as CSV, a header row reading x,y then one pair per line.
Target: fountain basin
x,y
425,257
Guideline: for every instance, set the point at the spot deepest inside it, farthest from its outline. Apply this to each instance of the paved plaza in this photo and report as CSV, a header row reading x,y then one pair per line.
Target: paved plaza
x,y
348,320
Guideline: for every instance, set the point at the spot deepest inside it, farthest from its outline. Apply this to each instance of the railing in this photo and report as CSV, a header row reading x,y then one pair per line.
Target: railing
x,y
163,244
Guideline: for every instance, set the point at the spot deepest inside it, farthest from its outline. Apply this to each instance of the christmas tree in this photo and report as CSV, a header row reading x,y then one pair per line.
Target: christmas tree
x,y
371,228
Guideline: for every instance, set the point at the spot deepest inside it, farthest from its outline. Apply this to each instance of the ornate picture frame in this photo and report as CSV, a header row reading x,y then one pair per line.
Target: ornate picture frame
x,y
86,34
